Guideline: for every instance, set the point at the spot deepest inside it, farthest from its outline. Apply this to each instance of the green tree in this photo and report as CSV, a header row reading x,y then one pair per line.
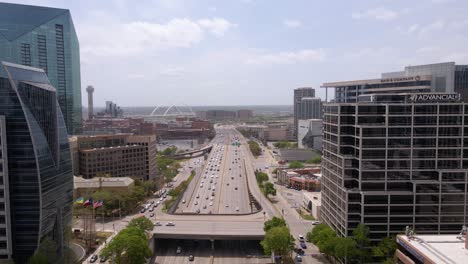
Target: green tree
x,y
278,240
361,236
261,177
142,223
315,160
274,222
255,148
296,165
130,246
269,189
169,151
385,248
38,258
345,247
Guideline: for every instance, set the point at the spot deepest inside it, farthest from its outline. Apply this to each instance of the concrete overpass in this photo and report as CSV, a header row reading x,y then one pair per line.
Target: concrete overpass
x,y
204,230
190,154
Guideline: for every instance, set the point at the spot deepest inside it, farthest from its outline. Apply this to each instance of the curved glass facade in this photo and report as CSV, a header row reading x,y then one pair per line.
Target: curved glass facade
x,y
39,163
45,38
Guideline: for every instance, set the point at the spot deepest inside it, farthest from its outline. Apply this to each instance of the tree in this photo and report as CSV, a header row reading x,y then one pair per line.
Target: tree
x,y
255,148
385,248
142,223
315,160
296,165
361,236
345,247
38,258
261,177
269,189
278,240
274,222
170,151
128,246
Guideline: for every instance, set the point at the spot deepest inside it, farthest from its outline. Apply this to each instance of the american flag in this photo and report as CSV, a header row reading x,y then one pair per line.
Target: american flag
x,y
97,204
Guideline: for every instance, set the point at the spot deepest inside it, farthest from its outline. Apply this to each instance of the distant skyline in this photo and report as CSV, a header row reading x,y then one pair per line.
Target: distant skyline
x,y
253,52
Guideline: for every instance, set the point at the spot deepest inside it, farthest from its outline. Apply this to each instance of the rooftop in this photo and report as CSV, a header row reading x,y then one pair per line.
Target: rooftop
x,y
441,249
314,196
102,182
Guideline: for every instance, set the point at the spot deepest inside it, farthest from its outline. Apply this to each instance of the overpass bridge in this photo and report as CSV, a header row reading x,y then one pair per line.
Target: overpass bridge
x,y
211,230
190,154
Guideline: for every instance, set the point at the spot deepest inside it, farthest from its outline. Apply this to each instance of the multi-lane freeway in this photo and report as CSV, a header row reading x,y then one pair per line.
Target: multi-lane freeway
x,y
221,188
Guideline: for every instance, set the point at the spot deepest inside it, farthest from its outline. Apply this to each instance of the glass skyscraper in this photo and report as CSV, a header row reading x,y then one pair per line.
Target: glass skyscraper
x,y
36,181
45,38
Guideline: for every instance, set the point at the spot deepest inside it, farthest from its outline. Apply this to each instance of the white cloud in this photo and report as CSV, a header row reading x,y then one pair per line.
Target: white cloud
x,y
289,57
217,26
292,23
115,38
174,71
379,13
134,76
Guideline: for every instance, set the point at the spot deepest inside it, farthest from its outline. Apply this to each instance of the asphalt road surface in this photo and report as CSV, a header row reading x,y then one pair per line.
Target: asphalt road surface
x,y
222,185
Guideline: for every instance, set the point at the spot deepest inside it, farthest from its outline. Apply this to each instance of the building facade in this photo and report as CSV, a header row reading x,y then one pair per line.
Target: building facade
x,y
45,38
298,104
120,155
444,77
309,134
37,178
391,161
244,114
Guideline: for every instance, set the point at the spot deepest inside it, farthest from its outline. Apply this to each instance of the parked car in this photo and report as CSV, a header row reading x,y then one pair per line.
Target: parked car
x,y
158,224
93,258
102,259
303,245
316,222
178,250
170,224
191,258
300,238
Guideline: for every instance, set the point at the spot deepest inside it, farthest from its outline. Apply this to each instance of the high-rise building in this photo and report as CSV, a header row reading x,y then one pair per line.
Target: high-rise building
x,y
244,114
36,176
306,105
396,160
444,77
45,38
309,134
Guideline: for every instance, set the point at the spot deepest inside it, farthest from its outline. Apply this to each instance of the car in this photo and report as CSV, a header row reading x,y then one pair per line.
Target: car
x,y
93,258
198,196
204,207
316,222
178,250
191,258
152,202
206,198
196,202
227,205
151,215
237,209
158,223
102,259
298,258
198,211
300,238
211,204
227,184
303,245
235,188
170,224
183,201
143,210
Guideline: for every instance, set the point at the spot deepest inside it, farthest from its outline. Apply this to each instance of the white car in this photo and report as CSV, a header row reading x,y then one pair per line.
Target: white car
x,y
300,238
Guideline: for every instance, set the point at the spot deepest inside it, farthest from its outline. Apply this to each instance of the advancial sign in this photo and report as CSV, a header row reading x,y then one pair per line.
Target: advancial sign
x,y
434,97
401,79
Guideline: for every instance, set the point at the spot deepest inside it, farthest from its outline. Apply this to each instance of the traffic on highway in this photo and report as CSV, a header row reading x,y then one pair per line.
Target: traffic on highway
x,y
221,188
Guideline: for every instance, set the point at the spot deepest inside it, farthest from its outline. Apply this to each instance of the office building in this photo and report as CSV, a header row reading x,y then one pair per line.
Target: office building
x,y
244,114
396,160
444,77
309,134
119,155
45,38
306,106
444,249
36,180
85,187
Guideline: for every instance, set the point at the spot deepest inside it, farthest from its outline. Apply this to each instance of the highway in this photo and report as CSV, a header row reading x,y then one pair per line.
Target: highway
x,y
222,186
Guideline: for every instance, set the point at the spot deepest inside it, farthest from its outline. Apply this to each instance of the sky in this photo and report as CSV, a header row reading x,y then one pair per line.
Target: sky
x,y
253,52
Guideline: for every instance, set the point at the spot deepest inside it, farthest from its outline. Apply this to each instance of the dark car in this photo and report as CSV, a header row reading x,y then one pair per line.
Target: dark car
x,y
191,258
102,259
93,258
303,245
